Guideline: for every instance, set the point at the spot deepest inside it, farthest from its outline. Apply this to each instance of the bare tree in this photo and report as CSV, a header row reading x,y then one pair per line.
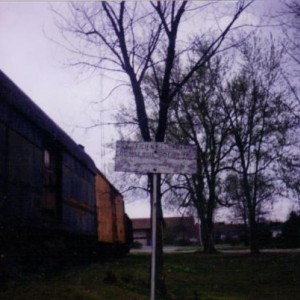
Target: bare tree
x,y
290,24
260,120
287,20
234,191
197,119
135,39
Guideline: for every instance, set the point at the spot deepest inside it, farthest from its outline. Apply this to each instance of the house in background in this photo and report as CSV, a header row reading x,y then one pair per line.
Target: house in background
x,y
229,233
176,230
234,233
185,231
141,229
276,229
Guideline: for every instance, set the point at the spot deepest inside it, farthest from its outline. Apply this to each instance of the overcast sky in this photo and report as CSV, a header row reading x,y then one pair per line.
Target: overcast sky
x,y
35,64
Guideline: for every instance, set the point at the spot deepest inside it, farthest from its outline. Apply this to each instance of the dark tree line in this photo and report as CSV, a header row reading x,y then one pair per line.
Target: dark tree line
x,y
244,127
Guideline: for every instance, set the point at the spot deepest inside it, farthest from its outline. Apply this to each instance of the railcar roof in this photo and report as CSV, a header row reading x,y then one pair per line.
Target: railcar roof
x,y
15,97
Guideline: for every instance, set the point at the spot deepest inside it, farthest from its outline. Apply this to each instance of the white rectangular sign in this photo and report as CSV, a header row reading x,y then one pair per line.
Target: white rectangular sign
x,y
153,157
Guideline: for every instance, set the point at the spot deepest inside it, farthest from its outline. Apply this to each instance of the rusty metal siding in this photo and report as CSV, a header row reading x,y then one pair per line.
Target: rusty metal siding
x,y
3,160
25,162
120,219
104,210
17,122
78,196
26,128
24,178
4,111
110,212
20,167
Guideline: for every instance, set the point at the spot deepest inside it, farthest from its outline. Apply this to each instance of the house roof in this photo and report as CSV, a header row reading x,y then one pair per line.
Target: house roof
x,y
16,98
223,228
145,223
180,221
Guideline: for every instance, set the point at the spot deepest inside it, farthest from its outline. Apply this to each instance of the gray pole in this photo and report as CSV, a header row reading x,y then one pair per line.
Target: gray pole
x,y
153,261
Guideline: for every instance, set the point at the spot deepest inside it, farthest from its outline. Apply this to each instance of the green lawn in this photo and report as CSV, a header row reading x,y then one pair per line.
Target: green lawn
x,y
188,276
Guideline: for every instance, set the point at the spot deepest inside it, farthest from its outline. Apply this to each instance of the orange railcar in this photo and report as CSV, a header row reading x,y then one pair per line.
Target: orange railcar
x,y
111,215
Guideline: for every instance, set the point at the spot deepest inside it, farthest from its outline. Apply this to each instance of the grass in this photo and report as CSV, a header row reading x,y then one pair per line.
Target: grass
x,y
194,276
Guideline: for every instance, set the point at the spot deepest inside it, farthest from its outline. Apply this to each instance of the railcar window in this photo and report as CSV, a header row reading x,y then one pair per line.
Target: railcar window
x,y
50,198
47,159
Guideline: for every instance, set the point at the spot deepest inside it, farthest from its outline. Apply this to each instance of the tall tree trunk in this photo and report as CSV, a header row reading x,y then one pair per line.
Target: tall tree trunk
x,y
207,229
253,238
207,239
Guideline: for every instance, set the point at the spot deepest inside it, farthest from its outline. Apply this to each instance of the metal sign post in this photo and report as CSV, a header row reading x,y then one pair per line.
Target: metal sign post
x,y
154,219
155,158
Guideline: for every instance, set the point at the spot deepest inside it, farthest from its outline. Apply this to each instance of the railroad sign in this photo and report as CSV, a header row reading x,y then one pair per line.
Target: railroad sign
x,y
154,157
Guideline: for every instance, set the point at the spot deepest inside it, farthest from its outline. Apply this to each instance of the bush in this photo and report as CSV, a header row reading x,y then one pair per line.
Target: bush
x,y
136,245
264,235
291,231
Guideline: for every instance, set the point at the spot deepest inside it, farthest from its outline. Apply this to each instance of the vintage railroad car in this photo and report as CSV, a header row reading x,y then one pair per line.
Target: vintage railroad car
x,y
47,185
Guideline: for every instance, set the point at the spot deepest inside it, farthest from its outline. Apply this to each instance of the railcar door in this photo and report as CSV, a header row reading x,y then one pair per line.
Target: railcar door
x,y
51,205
